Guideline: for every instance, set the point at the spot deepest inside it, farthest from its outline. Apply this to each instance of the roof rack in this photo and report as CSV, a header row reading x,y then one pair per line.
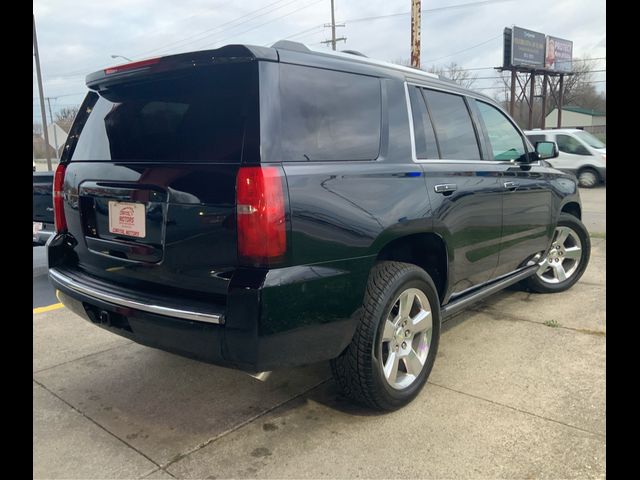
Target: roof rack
x,y
354,52
293,46
350,54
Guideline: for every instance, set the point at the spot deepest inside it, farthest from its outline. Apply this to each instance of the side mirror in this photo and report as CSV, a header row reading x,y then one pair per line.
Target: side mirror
x,y
547,150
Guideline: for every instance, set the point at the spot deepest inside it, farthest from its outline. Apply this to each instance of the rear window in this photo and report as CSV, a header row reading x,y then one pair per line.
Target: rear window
x,y
425,137
452,123
329,115
207,115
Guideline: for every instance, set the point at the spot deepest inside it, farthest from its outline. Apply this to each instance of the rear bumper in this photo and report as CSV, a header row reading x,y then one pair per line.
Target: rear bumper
x,y
278,318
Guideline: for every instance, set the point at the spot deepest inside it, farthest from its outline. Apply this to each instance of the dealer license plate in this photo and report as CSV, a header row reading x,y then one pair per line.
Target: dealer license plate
x,y
127,218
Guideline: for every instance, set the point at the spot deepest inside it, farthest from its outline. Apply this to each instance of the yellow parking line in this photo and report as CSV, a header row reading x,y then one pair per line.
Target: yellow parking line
x,y
48,308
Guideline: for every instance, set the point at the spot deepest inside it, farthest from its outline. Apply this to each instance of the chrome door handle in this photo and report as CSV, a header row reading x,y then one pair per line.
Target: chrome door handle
x,y
445,188
511,185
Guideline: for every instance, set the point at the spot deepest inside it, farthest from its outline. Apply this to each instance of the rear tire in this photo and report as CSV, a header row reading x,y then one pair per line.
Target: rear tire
x,y
394,347
588,178
567,259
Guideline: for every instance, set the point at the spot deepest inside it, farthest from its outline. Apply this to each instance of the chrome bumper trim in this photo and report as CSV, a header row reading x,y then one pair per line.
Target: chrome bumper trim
x,y
126,302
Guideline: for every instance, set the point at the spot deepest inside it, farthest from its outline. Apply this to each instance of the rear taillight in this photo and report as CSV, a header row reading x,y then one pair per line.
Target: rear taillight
x,y
262,238
58,199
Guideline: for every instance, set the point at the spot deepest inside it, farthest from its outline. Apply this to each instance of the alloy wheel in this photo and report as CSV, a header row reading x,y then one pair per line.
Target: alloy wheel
x,y
563,258
406,338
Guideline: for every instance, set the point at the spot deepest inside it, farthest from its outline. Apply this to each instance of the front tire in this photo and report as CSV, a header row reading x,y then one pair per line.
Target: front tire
x,y
567,258
588,178
395,344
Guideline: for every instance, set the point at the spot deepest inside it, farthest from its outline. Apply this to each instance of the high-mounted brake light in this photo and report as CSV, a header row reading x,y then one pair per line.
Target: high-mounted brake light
x,y
132,66
262,238
58,199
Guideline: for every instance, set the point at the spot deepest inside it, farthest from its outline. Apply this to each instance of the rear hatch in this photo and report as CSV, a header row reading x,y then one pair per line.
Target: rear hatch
x,y
150,183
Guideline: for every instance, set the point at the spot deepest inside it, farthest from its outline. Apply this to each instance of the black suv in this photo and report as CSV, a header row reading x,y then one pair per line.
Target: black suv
x,y
262,207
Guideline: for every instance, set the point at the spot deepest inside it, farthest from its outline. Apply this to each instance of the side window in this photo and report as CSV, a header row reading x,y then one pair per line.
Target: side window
x,y
506,142
568,144
329,115
452,124
426,146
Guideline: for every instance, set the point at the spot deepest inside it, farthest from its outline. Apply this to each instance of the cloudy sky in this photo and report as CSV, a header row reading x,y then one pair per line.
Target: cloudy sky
x,y
77,37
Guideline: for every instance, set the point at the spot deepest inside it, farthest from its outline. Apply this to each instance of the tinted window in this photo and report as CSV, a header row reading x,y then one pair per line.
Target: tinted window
x,y
590,139
426,146
568,144
328,115
506,142
452,123
205,115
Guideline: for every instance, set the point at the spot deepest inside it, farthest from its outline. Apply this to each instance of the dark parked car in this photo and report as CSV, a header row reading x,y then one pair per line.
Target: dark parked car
x,y
43,226
266,207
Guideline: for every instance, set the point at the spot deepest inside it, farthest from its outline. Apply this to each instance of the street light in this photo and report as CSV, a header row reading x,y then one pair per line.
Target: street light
x,y
122,56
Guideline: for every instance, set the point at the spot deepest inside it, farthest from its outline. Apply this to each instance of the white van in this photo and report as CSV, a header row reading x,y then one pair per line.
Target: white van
x,y
580,153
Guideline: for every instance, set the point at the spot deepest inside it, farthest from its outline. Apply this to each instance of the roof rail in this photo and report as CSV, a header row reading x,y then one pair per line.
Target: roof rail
x,y
354,52
349,54
289,45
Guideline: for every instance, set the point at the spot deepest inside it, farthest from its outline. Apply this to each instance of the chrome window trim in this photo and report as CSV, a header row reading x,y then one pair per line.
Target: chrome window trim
x,y
414,157
124,302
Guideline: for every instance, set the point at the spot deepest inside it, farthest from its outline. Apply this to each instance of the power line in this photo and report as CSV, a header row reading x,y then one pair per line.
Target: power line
x,y
266,23
504,86
499,78
465,49
493,68
212,31
187,40
430,10
83,72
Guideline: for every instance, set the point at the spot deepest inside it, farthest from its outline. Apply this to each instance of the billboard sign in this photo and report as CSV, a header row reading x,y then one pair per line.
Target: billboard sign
x,y
527,48
559,54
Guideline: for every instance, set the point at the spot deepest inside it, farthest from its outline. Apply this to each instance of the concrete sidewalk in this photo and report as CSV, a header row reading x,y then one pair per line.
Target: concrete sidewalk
x,y
517,391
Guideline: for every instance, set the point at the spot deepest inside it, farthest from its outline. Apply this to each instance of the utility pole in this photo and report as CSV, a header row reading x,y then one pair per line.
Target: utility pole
x,y
41,90
55,135
561,98
415,33
333,30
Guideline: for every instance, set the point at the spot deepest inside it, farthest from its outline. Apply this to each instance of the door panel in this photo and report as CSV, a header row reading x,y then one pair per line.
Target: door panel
x,y
464,191
527,216
526,194
468,219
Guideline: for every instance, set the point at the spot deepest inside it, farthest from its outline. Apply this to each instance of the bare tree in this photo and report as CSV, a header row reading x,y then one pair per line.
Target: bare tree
x,y
456,74
65,117
579,89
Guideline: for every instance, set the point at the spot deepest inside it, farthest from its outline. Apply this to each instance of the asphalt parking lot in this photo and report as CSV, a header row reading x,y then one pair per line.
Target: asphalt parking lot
x,y
517,391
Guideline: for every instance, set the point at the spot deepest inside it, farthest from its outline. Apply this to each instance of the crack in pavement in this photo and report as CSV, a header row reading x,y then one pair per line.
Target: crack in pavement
x,y
80,358
601,435
493,312
99,426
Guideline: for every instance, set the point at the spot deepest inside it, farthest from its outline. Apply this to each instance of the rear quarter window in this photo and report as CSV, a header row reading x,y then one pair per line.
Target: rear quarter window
x,y
453,127
328,115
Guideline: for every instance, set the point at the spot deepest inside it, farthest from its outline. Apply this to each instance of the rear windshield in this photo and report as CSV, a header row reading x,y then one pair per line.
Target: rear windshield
x,y
207,115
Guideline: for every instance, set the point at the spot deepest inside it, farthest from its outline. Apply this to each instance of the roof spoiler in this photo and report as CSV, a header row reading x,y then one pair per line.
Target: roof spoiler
x,y
227,54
